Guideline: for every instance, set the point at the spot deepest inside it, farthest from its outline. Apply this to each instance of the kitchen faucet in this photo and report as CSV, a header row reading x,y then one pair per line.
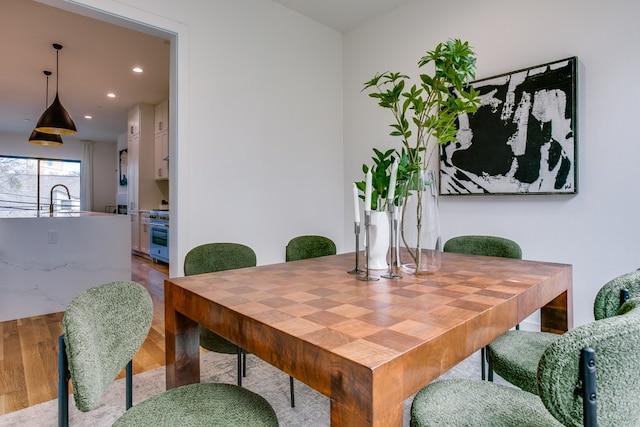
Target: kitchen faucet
x,y
51,195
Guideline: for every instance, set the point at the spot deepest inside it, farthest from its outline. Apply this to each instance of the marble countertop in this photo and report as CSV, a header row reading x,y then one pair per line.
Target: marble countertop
x,y
46,214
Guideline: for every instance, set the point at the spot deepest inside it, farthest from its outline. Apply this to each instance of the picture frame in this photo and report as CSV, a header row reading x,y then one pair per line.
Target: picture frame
x,y
123,157
522,139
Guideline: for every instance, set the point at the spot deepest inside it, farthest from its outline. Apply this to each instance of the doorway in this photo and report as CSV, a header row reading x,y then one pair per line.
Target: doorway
x,y
151,23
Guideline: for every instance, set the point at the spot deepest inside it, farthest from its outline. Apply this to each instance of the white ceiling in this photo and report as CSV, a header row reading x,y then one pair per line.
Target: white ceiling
x,y
97,57
341,15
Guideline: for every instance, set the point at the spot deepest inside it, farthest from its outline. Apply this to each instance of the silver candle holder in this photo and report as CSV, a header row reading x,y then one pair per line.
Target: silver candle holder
x,y
367,224
356,231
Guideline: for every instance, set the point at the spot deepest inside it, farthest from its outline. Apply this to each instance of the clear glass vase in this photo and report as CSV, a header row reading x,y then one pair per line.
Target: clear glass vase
x,y
420,239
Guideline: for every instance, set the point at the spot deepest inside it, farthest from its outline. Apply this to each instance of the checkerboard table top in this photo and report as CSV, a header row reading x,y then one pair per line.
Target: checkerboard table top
x,y
371,322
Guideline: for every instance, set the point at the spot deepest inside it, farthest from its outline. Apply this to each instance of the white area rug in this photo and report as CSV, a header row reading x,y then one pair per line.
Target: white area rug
x,y
312,408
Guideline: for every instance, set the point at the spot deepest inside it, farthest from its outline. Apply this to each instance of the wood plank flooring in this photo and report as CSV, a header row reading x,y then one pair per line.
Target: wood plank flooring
x,y
29,347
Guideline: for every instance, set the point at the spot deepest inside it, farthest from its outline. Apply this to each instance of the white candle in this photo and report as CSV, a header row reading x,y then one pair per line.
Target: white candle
x,y
356,204
367,192
392,181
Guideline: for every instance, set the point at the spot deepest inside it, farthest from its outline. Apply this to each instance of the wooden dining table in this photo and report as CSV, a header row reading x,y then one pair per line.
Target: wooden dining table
x,y
367,345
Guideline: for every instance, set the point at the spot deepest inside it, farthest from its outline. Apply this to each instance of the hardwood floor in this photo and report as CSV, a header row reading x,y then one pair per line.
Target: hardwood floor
x,y
29,347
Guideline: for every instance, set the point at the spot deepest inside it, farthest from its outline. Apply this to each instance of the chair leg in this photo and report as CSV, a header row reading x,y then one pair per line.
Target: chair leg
x,y
63,384
129,384
489,364
482,370
293,399
239,366
244,364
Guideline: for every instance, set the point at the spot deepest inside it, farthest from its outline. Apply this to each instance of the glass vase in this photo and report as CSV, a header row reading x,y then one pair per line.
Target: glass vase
x,y
420,239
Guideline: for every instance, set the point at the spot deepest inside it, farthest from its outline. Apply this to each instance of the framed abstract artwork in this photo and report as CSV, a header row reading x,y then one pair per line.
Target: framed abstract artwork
x,y
522,139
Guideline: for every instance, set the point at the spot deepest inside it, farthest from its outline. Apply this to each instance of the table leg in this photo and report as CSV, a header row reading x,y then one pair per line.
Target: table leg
x,y
557,316
182,348
345,416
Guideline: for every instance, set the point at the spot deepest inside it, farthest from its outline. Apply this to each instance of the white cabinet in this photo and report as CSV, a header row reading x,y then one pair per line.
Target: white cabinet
x,y
133,154
162,117
135,231
161,141
142,190
161,149
133,127
144,232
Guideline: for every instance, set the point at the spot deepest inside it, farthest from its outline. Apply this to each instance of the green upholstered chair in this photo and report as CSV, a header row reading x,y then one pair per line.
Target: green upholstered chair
x,y
486,246
303,247
221,256
483,245
212,257
102,329
515,355
589,376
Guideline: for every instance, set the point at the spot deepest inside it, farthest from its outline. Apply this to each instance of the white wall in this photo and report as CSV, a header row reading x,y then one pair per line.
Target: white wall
x,y
104,162
597,230
259,95
257,152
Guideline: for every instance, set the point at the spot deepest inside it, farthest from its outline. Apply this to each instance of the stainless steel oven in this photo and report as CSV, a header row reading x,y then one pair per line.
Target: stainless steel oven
x,y
159,235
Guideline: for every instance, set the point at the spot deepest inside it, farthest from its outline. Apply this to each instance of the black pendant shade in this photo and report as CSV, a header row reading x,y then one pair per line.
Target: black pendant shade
x,y
55,119
42,138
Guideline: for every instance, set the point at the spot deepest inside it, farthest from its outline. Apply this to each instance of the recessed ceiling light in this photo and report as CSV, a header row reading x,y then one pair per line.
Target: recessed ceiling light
x,y
137,70
88,117
111,95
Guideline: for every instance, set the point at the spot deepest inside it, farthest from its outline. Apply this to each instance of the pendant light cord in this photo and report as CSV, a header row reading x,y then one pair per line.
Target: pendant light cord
x,y
57,68
46,93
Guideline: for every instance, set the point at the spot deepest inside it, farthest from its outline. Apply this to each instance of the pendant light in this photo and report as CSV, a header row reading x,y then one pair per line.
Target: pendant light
x,y
55,119
42,138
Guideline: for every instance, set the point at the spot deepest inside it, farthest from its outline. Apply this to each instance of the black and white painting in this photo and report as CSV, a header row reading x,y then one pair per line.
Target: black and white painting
x,y
522,139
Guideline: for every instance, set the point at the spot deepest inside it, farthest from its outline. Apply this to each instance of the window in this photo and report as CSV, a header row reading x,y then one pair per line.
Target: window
x,y
33,183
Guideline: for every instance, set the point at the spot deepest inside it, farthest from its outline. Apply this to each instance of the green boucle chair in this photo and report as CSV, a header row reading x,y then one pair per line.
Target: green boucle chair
x,y
599,360
209,258
483,245
304,247
221,256
486,246
515,355
103,328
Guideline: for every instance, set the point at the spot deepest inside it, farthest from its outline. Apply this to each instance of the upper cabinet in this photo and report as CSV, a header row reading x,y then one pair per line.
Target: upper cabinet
x,y
162,116
142,189
134,121
161,145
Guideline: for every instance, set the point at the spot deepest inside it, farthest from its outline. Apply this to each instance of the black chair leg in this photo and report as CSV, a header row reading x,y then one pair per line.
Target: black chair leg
x,y
482,367
489,364
293,399
239,366
63,384
129,384
244,364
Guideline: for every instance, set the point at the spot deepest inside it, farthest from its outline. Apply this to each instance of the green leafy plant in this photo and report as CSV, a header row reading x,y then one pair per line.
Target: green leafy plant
x,y
380,177
424,116
426,113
